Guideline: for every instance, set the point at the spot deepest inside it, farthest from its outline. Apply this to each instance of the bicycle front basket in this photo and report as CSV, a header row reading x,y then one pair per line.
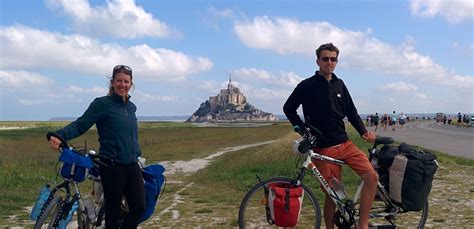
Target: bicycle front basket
x,y
74,166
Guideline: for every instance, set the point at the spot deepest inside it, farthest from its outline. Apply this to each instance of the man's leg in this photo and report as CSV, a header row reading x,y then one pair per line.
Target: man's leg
x,y
359,162
367,197
329,211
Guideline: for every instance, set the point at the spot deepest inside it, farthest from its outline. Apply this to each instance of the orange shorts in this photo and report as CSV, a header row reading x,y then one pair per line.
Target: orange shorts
x,y
347,152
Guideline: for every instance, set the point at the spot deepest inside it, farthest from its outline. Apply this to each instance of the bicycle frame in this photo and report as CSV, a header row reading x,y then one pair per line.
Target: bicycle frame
x,y
347,210
308,164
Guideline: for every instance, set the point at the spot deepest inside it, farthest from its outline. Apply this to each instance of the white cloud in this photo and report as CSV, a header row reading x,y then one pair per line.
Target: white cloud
x,y
29,89
119,18
22,79
399,87
96,90
25,47
283,79
454,11
214,17
145,97
224,13
421,96
358,49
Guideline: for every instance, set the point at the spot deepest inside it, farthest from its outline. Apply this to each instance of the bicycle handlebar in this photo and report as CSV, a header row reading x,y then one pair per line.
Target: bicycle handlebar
x,y
53,134
96,158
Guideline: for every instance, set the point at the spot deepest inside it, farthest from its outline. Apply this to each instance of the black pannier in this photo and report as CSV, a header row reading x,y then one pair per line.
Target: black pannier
x,y
382,161
406,173
411,177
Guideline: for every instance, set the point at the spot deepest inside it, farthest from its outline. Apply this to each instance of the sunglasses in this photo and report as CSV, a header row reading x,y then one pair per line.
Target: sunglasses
x,y
326,59
126,69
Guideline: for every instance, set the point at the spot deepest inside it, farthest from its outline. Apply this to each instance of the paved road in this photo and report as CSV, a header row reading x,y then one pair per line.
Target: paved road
x,y
449,139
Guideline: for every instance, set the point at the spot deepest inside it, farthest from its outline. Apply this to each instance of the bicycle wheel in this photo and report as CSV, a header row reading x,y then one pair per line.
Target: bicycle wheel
x,y
253,214
83,221
411,219
46,220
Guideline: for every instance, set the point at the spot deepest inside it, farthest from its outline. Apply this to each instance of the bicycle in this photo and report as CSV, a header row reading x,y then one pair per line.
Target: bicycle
x,y
66,198
254,213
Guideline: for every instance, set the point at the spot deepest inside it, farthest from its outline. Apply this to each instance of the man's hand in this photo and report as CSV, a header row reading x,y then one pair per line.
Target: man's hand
x,y
369,136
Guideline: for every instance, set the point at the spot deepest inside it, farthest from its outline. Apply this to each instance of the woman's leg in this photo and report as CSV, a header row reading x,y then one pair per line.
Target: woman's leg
x,y
135,196
113,181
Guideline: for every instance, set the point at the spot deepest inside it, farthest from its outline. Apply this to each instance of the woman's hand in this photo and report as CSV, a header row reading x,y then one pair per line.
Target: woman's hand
x,y
54,143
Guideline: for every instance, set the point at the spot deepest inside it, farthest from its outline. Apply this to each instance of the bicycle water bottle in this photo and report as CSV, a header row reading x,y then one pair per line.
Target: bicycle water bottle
x,y
42,197
337,188
89,205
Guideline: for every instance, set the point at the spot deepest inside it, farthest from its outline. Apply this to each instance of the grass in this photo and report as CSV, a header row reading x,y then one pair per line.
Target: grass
x,y
230,181
27,163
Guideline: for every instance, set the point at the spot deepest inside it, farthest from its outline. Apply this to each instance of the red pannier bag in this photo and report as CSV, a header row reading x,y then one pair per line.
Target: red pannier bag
x,y
284,204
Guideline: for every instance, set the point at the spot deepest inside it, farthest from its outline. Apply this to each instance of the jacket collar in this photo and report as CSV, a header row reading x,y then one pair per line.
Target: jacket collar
x,y
318,76
119,99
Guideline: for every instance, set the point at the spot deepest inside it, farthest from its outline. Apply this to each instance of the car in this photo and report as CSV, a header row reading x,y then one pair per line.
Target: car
x,y
439,117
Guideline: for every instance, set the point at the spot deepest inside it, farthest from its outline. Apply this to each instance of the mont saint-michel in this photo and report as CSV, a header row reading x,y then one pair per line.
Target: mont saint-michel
x,y
230,105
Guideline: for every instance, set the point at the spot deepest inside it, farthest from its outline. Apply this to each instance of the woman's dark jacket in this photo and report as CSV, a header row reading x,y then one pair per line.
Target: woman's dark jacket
x,y
116,125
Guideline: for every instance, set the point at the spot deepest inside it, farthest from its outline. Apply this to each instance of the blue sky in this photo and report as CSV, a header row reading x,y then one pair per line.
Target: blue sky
x,y
56,55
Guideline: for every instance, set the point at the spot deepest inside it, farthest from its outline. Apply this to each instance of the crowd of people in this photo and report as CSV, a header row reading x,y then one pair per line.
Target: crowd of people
x,y
463,120
387,120
393,119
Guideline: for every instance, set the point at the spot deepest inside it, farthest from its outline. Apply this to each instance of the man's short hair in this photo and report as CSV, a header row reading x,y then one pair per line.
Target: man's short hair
x,y
329,47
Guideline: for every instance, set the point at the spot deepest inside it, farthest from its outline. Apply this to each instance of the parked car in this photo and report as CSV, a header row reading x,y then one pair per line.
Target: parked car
x,y
439,117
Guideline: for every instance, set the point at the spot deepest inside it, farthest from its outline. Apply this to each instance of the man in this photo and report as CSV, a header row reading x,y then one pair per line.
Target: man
x,y
326,102
375,119
393,120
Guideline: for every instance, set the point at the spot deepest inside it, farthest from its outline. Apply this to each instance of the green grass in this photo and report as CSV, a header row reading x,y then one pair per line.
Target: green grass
x,y
233,180
27,162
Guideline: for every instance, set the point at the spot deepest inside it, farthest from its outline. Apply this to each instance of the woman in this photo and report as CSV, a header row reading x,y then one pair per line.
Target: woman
x,y
114,116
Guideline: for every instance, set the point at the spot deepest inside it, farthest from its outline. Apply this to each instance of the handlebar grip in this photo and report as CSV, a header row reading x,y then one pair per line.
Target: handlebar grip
x,y
384,140
298,130
53,134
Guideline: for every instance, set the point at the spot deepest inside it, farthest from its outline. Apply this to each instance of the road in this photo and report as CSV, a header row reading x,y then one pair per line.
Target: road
x,y
449,139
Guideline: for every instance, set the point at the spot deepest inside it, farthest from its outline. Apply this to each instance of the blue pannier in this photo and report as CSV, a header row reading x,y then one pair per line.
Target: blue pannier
x,y
154,179
74,165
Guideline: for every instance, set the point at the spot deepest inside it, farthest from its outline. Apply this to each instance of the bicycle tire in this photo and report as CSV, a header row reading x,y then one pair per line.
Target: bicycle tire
x,y
49,213
252,212
83,221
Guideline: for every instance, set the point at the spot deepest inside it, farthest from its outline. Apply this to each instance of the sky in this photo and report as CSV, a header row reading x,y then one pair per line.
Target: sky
x,y
56,56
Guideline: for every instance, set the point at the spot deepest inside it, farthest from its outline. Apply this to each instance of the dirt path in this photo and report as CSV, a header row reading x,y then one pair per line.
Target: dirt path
x,y
187,168
173,167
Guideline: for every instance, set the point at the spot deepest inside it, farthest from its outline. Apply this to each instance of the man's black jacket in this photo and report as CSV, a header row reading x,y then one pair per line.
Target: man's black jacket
x,y
325,105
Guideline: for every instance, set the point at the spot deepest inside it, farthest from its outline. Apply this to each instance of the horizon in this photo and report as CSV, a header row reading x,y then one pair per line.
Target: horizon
x,y
57,55
281,117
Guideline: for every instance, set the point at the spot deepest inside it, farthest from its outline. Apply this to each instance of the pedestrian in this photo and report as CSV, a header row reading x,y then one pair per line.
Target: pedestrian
x,y
402,121
459,119
393,120
385,120
326,102
117,127
375,119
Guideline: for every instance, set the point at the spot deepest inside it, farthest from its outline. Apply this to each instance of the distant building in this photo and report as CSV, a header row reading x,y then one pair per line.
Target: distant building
x,y
229,105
